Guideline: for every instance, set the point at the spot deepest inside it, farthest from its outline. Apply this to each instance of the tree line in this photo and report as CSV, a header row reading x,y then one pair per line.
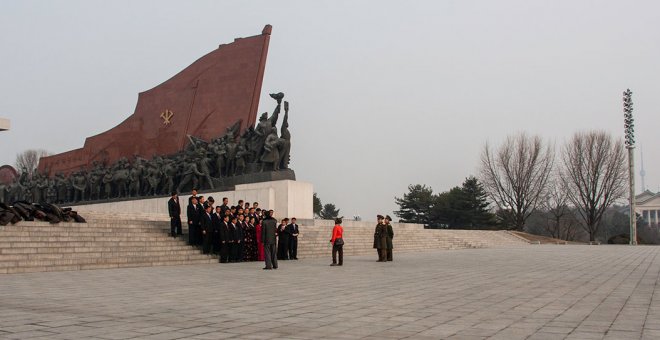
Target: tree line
x,y
569,190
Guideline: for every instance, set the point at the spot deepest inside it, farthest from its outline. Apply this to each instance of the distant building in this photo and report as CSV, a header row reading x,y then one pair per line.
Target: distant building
x,y
648,206
4,124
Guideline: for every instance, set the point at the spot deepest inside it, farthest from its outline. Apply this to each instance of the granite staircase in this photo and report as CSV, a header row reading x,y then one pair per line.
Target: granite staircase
x,y
104,242
358,237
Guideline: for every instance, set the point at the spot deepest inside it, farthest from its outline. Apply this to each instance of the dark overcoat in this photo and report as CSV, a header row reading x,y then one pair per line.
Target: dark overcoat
x,y
380,236
390,236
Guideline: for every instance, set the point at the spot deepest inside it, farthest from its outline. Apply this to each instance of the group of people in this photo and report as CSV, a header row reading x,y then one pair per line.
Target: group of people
x,y
383,236
245,232
235,233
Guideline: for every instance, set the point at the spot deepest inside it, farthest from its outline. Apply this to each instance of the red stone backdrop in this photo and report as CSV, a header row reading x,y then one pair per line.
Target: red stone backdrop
x,y
202,100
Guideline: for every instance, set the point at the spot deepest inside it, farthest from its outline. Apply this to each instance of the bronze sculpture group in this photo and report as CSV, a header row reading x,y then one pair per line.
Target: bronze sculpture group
x,y
202,165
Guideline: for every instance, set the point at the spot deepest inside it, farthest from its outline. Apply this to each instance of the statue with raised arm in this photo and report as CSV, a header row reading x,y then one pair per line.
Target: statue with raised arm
x,y
266,125
285,139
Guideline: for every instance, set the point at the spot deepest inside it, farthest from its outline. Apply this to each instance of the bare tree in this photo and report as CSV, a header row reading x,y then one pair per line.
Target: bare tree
x,y
516,175
560,220
594,174
28,161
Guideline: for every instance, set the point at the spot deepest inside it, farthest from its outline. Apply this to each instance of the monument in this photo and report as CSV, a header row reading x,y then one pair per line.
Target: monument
x,y
203,100
199,129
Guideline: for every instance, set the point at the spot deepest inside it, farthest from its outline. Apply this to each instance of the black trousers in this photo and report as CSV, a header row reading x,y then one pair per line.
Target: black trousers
x,y
293,248
240,251
233,252
382,254
270,254
192,234
283,248
389,254
215,242
207,242
175,226
340,250
224,252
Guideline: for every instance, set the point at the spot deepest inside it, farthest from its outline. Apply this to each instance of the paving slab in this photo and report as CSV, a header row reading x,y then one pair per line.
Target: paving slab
x,y
529,292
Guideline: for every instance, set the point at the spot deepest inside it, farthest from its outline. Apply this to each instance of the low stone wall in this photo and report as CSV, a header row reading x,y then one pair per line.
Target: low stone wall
x,y
286,197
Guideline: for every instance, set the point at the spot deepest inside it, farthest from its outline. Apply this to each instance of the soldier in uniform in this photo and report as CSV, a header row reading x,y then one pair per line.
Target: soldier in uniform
x,y
390,236
380,239
190,173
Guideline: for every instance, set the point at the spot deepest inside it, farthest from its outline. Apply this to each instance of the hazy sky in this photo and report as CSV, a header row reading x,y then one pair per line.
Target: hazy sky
x,y
383,94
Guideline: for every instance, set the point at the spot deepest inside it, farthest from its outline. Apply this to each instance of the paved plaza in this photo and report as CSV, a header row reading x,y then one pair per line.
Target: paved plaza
x,y
533,292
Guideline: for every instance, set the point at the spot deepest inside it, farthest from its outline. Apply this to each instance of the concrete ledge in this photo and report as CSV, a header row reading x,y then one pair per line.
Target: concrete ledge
x,y
4,124
288,199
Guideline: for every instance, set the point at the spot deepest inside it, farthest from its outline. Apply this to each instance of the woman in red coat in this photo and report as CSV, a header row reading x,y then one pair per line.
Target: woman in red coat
x,y
260,242
337,243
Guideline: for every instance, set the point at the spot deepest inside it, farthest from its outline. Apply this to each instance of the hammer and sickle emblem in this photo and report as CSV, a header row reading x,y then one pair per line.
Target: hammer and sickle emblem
x,y
167,116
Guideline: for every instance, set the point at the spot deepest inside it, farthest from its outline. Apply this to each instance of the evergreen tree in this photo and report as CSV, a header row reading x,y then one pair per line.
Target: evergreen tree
x,y
461,207
329,212
317,205
416,205
474,205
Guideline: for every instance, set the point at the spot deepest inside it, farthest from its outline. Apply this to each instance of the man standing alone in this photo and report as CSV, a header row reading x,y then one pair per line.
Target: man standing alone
x,y
175,215
292,231
194,213
269,238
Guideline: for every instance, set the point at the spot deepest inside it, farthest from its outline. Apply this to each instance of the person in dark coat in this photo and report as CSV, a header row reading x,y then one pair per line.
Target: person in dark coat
x,y
269,238
206,224
193,212
235,240
380,239
241,227
283,241
225,247
292,231
217,220
390,236
174,210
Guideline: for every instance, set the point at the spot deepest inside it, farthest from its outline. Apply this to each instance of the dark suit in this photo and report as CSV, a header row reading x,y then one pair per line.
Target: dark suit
x,y
269,238
282,243
240,240
232,241
225,246
291,230
193,225
206,224
215,233
174,209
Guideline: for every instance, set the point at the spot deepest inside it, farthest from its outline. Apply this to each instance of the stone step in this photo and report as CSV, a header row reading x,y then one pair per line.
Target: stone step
x,y
73,244
74,238
56,228
15,270
93,249
90,255
111,260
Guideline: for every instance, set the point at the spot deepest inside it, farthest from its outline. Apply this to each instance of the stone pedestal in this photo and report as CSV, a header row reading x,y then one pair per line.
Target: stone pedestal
x,y
288,199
